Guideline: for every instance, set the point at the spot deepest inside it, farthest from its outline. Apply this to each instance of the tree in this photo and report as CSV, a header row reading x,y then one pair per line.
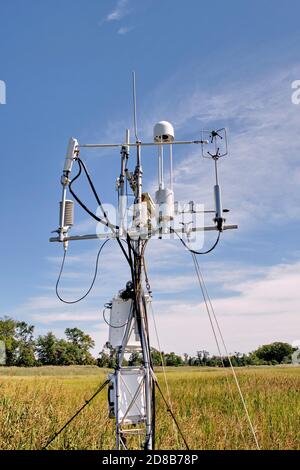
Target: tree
x,y
25,345
19,342
7,334
192,361
103,359
67,354
79,338
171,359
47,351
107,357
186,359
202,358
135,359
80,343
274,353
156,357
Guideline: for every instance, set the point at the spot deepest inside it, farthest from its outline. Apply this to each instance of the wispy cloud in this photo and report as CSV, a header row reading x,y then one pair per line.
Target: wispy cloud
x,y
263,166
261,311
124,30
253,305
121,9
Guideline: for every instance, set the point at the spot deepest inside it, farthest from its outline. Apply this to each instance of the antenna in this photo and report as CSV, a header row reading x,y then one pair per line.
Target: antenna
x,y
134,106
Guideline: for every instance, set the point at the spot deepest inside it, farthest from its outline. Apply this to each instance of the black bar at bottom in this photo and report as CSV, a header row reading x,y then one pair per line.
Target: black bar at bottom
x,y
135,459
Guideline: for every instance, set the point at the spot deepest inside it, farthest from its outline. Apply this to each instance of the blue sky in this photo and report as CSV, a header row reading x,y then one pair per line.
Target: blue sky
x,y
67,68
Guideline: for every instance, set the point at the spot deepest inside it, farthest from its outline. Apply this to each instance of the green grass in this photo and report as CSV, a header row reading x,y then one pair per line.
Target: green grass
x,y
35,402
49,371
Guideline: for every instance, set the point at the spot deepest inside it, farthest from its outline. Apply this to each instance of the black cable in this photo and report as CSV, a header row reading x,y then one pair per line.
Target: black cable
x,y
92,284
131,264
95,192
198,252
77,198
107,223
76,414
172,415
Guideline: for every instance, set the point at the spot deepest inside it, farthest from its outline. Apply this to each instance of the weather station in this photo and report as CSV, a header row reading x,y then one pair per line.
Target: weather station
x,y
132,389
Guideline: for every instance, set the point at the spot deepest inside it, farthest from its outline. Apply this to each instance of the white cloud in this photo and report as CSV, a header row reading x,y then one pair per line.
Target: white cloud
x,y
124,30
86,226
254,305
120,10
261,311
84,316
170,284
260,177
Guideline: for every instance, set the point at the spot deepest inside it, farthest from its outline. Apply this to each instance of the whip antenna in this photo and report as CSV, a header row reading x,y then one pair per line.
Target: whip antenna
x,y
134,106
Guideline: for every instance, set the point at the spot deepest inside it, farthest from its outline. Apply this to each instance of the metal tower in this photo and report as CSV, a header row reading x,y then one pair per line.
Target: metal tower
x,y
132,389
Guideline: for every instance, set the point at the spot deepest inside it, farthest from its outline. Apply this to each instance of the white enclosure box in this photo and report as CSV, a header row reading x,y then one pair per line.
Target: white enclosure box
x,y
119,315
164,199
146,198
132,403
140,216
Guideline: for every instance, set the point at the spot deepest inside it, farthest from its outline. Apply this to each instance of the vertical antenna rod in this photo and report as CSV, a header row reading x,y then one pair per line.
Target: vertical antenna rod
x,y
121,186
161,166
134,106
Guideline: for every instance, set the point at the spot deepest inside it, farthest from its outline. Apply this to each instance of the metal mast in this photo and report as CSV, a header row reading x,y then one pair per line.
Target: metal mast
x,y
142,314
131,391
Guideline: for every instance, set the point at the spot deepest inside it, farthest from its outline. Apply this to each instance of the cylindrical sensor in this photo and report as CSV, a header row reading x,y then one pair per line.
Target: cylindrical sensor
x,y
219,209
68,213
164,199
72,145
218,202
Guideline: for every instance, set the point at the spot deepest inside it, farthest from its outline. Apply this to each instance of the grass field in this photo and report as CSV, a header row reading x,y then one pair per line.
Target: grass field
x,y
34,403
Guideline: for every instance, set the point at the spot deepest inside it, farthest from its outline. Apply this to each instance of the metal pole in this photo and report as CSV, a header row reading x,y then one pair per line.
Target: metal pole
x,y
142,144
122,195
120,357
117,385
142,313
161,167
62,211
171,167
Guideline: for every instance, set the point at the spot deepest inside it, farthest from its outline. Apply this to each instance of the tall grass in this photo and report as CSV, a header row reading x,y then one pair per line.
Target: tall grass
x,y
33,407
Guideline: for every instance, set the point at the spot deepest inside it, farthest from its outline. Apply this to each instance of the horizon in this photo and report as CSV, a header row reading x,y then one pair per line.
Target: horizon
x,y
59,82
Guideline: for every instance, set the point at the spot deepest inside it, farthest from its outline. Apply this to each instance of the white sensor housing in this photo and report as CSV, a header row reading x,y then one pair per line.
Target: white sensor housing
x,y
73,143
163,132
164,199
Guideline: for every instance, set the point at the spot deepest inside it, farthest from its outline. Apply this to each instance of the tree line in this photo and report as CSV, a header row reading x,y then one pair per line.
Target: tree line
x,y
23,350
269,354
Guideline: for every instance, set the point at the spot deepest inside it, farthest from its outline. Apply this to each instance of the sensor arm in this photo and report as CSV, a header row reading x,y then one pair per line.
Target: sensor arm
x,y
143,144
72,152
132,234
